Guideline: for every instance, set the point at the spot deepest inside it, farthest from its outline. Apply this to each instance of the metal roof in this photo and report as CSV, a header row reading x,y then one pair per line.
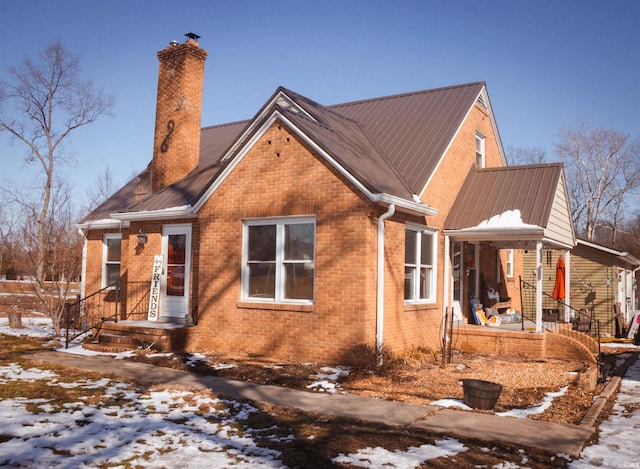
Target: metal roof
x,y
390,145
489,192
413,130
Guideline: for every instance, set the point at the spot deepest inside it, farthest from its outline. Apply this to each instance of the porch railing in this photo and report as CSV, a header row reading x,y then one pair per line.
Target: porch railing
x,y
553,311
92,311
553,316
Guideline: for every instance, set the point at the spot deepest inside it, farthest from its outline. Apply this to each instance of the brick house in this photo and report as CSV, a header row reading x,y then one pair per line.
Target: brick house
x,y
309,230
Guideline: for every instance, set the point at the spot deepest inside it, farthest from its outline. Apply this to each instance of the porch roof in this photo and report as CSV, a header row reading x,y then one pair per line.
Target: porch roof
x,y
513,206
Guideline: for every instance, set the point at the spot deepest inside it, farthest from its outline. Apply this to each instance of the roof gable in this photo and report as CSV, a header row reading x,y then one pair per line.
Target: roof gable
x,y
414,130
522,202
389,147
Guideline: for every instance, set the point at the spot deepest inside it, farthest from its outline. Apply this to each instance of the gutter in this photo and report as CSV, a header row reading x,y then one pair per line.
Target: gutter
x,y
185,211
380,283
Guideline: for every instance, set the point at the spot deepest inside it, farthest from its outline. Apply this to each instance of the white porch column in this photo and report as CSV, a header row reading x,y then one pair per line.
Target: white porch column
x,y
446,276
539,286
567,285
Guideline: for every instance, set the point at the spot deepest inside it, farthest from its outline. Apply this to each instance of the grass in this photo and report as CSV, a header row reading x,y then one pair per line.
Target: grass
x,y
316,438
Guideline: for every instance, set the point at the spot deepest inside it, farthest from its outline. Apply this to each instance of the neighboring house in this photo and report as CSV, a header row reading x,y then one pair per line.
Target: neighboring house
x,y
601,278
311,230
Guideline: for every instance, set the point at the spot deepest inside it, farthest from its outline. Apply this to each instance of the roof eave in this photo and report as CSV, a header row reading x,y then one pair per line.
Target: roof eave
x,y
403,205
106,224
533,233
173,213
624,256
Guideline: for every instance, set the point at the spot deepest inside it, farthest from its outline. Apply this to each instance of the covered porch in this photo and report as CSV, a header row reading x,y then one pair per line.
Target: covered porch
x,y
501,213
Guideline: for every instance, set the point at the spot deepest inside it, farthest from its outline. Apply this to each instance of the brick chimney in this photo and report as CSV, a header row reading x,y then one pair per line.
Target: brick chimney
x,y
176,144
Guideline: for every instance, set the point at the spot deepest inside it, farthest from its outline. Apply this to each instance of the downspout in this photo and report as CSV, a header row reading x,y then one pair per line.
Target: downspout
x,y
380,283
83,269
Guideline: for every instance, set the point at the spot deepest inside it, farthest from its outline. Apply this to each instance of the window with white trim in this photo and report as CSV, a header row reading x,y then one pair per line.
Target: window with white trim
x,y
111,254
480,143
508,267
420,248
279,260
509,272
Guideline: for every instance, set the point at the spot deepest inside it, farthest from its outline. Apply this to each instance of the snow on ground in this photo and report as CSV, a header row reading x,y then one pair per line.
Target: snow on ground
x,y
127,426
536,409
326,381
617,445
413,457
163,428
39,326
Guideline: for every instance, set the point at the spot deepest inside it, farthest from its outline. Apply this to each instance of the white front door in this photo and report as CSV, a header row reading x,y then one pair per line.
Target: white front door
x,y
176,251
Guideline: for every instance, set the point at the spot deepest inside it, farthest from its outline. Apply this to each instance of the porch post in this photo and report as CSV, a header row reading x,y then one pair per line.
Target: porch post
x,y
446,276
567,285
539,286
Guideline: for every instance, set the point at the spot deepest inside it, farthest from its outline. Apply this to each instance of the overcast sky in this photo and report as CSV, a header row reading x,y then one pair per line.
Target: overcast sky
x,y
547,63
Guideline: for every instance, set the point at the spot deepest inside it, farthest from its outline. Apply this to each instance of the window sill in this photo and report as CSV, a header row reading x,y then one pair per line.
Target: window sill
x,y
276,306
408,307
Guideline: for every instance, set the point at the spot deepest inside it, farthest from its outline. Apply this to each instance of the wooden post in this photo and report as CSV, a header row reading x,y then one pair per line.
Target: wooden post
x,y
15,320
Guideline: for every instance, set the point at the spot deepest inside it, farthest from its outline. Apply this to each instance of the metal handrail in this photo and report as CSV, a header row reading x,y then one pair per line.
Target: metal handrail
x,y
81,302
552,304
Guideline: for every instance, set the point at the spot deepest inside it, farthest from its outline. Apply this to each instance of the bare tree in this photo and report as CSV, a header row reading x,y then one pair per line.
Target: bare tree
x,y
523,155
41,105
603,169
63,254
103,189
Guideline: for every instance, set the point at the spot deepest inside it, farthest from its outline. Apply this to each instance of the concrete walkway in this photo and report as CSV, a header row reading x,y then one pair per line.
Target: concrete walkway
x,y
555,438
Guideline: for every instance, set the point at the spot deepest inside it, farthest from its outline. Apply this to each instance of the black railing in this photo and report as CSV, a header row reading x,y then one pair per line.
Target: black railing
x,y
553,315
553,310
137,306
91,312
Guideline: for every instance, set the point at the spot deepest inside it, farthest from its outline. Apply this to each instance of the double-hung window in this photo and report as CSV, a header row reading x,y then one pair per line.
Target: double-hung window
x,y
111,252
509,263
420,250
279,260
508,267
480,157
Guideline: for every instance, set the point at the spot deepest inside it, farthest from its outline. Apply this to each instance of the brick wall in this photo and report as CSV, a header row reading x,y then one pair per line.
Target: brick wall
x,y
535,346
280,176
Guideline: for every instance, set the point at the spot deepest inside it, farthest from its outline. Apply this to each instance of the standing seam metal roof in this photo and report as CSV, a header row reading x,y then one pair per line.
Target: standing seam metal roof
x,y
493,191
391,145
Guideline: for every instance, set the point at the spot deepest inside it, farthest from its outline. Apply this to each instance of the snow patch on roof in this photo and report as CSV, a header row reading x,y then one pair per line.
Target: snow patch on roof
x,y
507,219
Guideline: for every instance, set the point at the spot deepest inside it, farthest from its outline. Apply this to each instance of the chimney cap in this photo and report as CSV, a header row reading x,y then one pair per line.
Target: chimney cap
x,y
194,37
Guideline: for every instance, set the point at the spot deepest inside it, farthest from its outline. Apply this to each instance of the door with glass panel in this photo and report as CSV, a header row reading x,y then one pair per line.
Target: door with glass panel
x,y
176,252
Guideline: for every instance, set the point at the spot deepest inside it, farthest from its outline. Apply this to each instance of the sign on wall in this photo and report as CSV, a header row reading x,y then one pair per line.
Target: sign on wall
x,y
154,294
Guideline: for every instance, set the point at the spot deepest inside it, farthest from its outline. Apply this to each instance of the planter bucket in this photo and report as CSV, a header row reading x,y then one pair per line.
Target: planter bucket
x,y
481,394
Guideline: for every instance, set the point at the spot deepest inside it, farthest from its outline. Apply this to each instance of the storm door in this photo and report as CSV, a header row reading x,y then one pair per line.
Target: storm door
x,y
176,251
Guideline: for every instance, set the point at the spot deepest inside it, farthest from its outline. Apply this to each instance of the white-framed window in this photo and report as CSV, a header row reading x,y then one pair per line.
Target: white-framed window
x,y
480,142
508,266
111,254
509,270
279,260
420,253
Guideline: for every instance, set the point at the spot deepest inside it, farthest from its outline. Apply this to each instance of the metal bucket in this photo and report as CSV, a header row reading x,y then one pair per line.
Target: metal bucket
x,y
481,394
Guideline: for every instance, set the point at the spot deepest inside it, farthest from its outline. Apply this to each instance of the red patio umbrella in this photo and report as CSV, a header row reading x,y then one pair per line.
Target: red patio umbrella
x,y
558,288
